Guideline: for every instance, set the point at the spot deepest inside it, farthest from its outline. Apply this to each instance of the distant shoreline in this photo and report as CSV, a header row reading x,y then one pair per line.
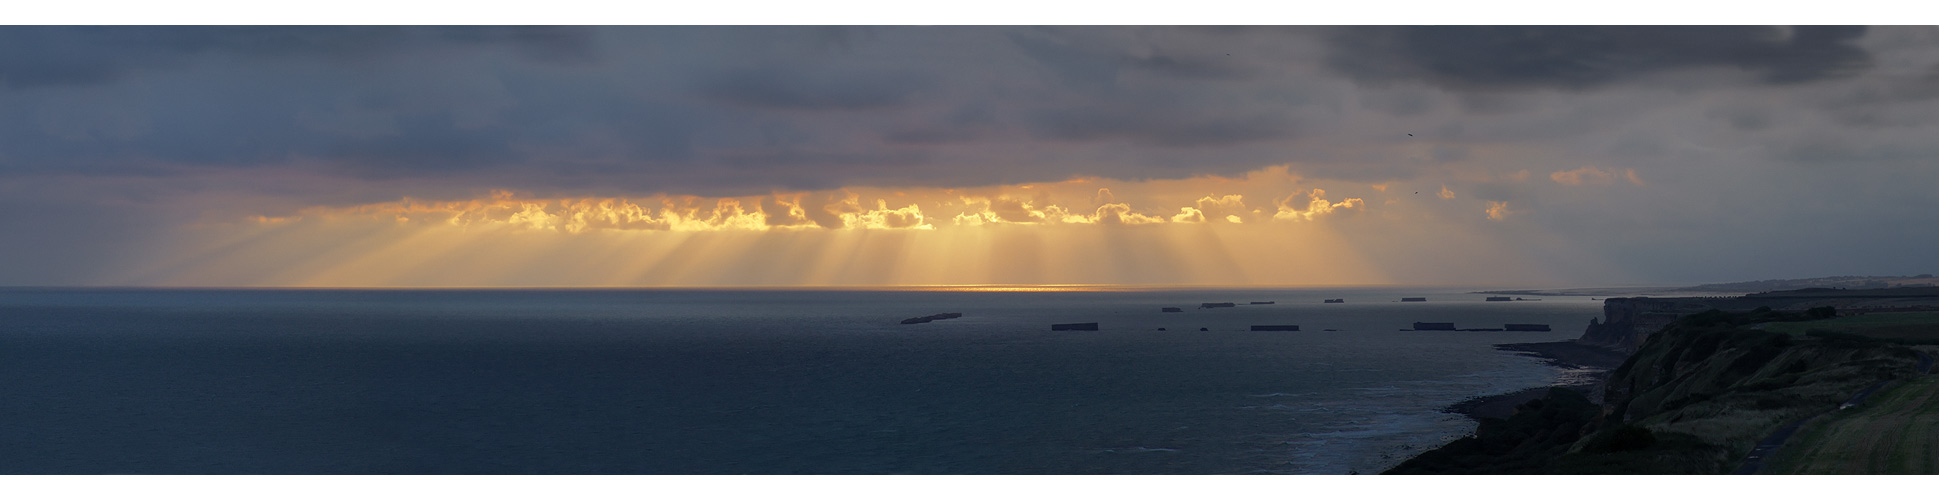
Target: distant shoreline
x,y
1622,291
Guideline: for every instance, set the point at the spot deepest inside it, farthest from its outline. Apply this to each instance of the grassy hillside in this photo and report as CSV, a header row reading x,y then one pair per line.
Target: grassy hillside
x,y
1918,327
1711,379
1896,432
1693,400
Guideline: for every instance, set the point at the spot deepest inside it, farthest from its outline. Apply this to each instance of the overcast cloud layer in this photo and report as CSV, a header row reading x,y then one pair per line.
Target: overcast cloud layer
x,y
1671,154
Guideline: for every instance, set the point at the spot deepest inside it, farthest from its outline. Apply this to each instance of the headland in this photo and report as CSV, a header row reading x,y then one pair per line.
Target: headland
x,y
1699,384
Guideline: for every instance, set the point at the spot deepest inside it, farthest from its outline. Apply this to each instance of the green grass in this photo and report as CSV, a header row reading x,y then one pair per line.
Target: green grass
x,y
1904,325
1896,432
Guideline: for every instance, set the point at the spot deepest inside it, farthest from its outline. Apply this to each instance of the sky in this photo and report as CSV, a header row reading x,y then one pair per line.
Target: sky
x,y
960,155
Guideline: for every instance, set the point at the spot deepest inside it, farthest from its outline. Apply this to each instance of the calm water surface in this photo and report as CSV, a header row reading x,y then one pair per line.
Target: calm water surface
x,y
744,381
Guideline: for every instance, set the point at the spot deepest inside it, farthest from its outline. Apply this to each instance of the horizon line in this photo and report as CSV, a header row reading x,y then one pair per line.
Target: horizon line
x,y
988,287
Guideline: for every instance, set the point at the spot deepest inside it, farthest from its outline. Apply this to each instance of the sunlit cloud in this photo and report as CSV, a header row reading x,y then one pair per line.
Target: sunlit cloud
x,y
1223,207
1072,202
1498,210
1267,226
1188,215
1197,230
1316,206
1120,213
881,217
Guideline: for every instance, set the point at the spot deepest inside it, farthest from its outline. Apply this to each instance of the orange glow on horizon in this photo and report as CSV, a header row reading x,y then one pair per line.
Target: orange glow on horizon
x,y
1209,199
1266,228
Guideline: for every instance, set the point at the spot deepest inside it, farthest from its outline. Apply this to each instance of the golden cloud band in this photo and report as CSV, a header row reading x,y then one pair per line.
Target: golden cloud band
x,y
865,208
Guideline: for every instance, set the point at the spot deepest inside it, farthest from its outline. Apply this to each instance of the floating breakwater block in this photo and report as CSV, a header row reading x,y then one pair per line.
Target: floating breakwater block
x,y
932,317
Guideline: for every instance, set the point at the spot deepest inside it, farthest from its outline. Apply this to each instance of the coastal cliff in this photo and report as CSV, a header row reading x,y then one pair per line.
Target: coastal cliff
x,y
1713,384
1694,397
1628,322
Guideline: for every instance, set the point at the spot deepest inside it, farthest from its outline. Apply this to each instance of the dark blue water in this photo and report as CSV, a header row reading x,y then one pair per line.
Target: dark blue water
x,y
731,382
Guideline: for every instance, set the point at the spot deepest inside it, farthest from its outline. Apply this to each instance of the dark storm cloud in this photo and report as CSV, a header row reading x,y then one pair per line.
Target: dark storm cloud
x,y
716,110
811,160
1579,57
363,128
1096,65
1884,102
34,56
680,108
744,110
1189,67
1148,122
1074,65
797,89
966,123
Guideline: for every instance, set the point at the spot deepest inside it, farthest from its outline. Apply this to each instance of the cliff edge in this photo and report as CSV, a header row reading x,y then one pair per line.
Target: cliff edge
x,y
1628,322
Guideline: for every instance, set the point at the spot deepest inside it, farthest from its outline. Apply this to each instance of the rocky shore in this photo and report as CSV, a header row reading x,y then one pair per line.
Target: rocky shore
x,y
1596,363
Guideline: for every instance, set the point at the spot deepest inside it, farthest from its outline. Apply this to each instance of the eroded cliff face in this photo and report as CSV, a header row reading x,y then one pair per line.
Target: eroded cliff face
x,y
1629,321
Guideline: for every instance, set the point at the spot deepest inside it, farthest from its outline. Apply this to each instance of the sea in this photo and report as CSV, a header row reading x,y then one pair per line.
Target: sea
x,y
748,381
